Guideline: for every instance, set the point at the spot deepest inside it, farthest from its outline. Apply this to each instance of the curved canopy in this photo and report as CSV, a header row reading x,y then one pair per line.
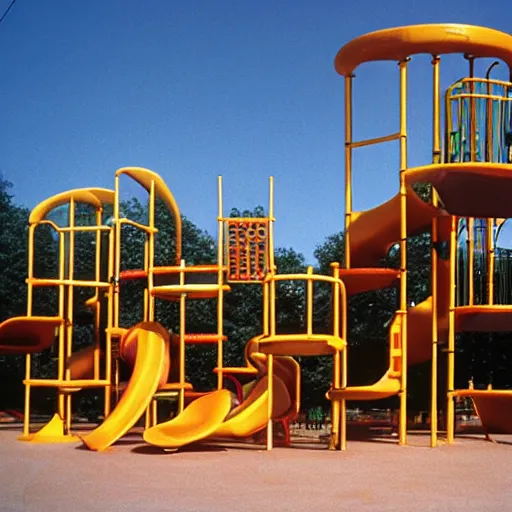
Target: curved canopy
x,y
96,197
435,39
145,177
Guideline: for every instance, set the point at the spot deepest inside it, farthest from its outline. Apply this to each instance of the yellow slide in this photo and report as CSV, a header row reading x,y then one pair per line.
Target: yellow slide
x,y
149,341
372,233
209,416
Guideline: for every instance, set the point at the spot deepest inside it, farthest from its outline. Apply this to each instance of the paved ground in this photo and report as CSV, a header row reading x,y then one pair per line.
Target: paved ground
x,y
470,475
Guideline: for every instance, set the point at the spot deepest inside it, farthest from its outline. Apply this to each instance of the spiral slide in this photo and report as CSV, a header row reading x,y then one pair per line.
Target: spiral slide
x,y
210,416
147,346
372,233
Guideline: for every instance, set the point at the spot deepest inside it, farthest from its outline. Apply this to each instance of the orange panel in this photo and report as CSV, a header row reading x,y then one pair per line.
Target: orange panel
x,y
419,331
434,39
360,280
27,335
469,189
494,407
483,318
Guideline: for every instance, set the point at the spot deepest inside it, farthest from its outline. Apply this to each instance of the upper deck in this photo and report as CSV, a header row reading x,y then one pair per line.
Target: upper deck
x,y
436,39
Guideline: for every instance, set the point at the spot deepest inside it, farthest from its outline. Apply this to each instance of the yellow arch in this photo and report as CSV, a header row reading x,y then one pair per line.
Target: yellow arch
x,y
144,177
96,197
436,39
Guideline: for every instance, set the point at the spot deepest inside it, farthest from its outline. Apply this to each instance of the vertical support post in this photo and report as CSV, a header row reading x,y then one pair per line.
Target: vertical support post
x,y
220,282
270,359
69,311
470,223
436,159
339,409
309,302
472,109
270,387
151,253
403,249
28,358
115,276
490,262
183,305
117,255
110,317
348,166
271,221
450,406
98,293
62,314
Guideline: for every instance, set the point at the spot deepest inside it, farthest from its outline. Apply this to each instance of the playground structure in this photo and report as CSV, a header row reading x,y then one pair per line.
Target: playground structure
x,y
468,178
470,186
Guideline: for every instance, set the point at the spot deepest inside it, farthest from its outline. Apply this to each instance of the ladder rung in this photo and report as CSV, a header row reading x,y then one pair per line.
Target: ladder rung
x,y
204,338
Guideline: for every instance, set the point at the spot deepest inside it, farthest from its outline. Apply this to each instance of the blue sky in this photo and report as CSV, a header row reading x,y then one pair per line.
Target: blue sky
x,y
194,89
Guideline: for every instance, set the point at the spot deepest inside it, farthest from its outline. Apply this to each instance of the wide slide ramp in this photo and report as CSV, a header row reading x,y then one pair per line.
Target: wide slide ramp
x,y
210,416
150,341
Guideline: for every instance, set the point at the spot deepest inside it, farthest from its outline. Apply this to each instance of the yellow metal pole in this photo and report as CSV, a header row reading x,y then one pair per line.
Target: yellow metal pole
x,y
348,166
97,306
270,361
436,159
26,417
70,308
183,305
266,309
490,262
110,319
403,249
220,282
309,302
450,406
28,359
470,223
338,407
472,109
30,272
117,252
116,274
270,387
271,225
272,305
151,252
62,314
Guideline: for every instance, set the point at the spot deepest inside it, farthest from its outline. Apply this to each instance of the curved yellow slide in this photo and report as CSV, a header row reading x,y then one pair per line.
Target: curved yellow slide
x,y
209,416
150,340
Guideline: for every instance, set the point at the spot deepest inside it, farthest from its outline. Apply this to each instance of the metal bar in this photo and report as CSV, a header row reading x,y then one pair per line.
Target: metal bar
x,y
450,406
220,282
403,249
376,140
436,159
348,166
